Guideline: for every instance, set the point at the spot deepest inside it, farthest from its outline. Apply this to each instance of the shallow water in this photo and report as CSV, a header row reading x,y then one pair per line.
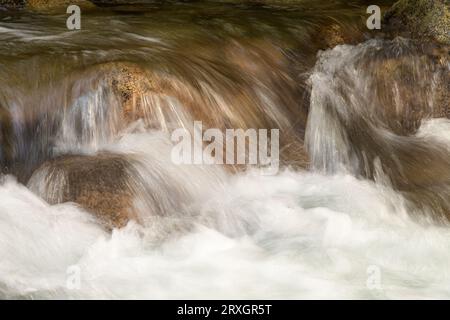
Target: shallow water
x,y
340,228
294,235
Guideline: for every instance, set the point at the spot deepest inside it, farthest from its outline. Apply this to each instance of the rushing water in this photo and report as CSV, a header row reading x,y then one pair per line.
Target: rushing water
x,y
372,201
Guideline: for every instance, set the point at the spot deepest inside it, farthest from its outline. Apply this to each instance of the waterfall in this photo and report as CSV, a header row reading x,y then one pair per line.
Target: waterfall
x,y
366,109
88,188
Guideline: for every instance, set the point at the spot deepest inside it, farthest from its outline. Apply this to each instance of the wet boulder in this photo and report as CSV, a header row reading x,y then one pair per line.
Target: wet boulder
x,y
127,82
165,100
331,35
412,87
130,82
419,19
99,184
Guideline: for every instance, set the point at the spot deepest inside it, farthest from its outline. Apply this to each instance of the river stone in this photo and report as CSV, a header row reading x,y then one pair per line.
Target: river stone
x,y
99,184
420,18
59,6
130,82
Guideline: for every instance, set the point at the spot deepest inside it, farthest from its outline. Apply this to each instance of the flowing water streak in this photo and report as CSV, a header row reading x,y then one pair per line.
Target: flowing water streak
x,y
367,102
295,235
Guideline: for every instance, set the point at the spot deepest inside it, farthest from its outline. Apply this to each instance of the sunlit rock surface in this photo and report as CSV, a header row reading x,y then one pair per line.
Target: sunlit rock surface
x,y
99,184
420,19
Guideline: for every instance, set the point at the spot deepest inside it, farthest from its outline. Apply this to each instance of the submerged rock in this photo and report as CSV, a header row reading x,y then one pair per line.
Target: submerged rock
x,y
411,88
420,18
99,184
368,102
166,100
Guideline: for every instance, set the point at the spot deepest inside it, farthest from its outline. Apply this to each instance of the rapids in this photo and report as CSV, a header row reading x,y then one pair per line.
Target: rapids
x,y
359,208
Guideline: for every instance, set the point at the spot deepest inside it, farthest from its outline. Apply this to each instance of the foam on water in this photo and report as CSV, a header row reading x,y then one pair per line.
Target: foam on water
x,y
299,234
438,129
294,235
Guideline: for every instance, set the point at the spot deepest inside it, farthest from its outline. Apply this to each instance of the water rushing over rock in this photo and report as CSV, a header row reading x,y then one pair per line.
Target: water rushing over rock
x,y
88,181
367,102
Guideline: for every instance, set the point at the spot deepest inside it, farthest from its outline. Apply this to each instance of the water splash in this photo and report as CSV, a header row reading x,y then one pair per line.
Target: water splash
x,y
366,107
203,232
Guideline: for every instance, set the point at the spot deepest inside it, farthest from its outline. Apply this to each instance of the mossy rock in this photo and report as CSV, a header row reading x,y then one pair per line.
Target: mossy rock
x,y
420,18
129,82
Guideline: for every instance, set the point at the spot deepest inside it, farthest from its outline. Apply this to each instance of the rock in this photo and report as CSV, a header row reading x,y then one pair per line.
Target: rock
x,y
406,101
335,34
164,100
100,184
12,4
374,100
420,18
57,6
410,82
116,188
332,35
130,82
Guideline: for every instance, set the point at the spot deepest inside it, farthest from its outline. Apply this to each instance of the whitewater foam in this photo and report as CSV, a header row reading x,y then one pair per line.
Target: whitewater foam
x,y
295,235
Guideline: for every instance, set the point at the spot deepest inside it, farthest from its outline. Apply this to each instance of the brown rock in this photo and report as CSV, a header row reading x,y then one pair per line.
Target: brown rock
x,y
419,19
99,184
411,88
53,6
163,100
331,35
